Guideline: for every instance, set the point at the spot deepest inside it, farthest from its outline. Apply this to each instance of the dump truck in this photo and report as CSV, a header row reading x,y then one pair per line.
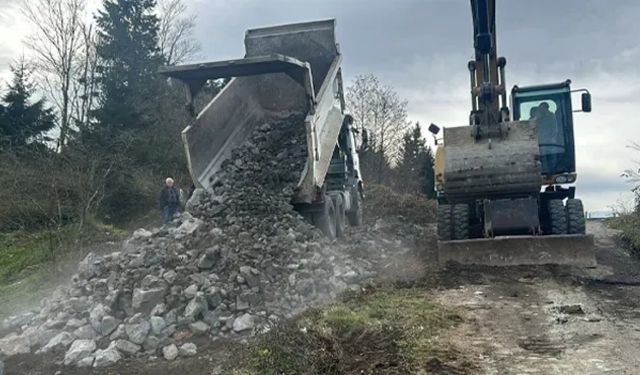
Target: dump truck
x,y
292,69
505,182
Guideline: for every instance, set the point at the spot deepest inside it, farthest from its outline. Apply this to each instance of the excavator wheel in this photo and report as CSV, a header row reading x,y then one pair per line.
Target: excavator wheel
x,y
461,222
341,219
445,222
356,215
557,217
325,220
575,217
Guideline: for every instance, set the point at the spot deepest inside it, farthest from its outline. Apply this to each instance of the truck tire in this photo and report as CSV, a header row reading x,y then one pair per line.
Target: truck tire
x,y
341,218
444,221
355,216
557,217
461,222
575,217
325,220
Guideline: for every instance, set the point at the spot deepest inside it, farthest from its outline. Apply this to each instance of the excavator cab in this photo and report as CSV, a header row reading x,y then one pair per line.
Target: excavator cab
x,y
551,108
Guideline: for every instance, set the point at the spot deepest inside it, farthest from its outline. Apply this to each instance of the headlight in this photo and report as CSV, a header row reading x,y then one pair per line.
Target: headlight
x,y
561,179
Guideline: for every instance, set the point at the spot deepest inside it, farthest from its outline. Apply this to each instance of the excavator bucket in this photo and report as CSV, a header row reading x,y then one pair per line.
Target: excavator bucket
x,y
573,250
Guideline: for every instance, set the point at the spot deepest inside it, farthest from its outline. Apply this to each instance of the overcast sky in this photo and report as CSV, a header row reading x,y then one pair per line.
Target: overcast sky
x,y
421,47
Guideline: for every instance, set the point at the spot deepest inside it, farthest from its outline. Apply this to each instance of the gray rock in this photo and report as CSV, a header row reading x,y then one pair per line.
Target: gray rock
x,y
62,339
214,297
137,332
13,344
241,304
170,330
188,349
205,263
108,325
170,352
17,321
196,307
74,323
91,266
126,347
86,362
160,309
106,357
86,332
199,327
151,343
38,336
144,300
157,325
250,275
96,315
119,333
79,349
191,291
243,323
141,234
170,276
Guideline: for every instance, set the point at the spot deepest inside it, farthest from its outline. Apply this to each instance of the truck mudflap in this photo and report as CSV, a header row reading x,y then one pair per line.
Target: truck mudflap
x,y
573,249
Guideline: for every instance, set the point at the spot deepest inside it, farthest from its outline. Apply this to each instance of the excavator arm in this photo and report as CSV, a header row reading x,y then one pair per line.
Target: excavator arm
x,y
489,107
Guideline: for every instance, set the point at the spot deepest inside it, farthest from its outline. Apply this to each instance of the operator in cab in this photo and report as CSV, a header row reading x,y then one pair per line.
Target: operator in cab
x,y
548,136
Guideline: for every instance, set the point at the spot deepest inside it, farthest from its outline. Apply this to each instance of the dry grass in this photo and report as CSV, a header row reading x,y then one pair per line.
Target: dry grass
x,y
383,202
381,330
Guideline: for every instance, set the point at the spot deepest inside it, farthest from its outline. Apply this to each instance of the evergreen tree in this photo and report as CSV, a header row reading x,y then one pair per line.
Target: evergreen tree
x,y
128,62
415,168
21,121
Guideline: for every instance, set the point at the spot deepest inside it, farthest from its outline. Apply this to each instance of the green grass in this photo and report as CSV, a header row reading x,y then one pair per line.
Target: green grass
x,y
32,264
629,224
383,330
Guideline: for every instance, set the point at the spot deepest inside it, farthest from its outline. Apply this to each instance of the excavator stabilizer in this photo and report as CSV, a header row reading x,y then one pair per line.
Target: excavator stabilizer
x,y
572,249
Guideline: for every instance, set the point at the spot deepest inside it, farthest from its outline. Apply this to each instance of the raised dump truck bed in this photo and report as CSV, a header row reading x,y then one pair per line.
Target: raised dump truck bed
x,y
287,70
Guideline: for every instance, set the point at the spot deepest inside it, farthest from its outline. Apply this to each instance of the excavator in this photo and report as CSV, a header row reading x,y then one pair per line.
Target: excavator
x,y
504,182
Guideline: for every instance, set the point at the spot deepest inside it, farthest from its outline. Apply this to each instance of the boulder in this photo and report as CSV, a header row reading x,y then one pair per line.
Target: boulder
x,y
170,352
79,349
157,325
144,300
14,344
137,332
126,347
188,349
62,339
106,357
243,323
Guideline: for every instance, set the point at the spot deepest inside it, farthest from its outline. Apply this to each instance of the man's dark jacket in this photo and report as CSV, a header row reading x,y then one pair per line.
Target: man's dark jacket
x,y
169,196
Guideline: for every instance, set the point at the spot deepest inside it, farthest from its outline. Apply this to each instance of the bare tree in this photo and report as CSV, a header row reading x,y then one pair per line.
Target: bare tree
x,y
379,109
175,35
59,45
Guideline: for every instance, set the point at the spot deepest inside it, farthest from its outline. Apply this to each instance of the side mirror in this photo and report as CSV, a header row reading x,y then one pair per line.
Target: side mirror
x,y
586,102
434,129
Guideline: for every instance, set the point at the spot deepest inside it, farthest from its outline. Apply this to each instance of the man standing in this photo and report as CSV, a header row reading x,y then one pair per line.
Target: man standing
x,y
169,200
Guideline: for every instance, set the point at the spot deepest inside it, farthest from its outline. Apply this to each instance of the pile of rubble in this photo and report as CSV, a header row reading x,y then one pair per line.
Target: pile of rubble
x,y
242,260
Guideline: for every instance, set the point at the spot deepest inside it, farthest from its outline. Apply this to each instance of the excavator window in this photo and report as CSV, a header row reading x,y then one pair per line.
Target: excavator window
x,y
550,111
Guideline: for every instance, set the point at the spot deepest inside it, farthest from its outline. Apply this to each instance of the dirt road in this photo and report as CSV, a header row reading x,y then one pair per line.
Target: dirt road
x,y
549,320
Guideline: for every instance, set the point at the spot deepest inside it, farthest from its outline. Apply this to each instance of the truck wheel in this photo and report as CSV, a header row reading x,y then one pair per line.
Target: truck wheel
x,y
355,217
341,219
325,220
444,220
557,217
575,217
460,221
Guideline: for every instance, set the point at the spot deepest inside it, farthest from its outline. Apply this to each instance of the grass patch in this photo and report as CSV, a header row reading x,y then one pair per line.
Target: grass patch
x,y
381,330
383,202
629,224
